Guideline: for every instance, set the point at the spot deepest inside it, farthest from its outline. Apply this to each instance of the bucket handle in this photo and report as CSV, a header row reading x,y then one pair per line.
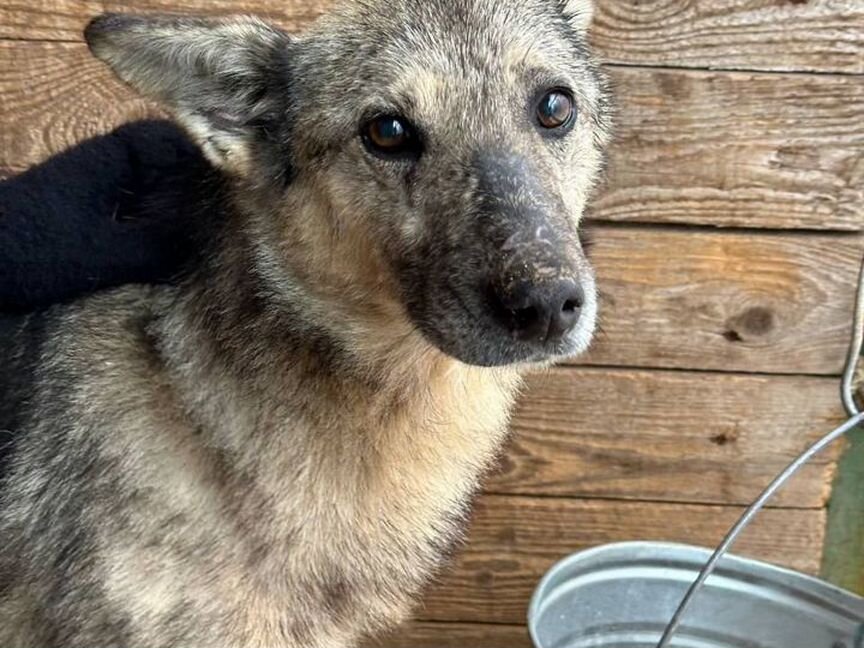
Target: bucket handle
x,y
847,393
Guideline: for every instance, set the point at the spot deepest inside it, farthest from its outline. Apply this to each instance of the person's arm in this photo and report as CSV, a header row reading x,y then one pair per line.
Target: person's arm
x,y
113,210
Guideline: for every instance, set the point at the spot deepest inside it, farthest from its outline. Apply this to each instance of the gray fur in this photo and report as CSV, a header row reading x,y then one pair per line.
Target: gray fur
x,y
282,449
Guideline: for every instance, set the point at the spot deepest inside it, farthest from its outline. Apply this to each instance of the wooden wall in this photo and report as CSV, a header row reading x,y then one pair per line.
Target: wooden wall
x,y
726,245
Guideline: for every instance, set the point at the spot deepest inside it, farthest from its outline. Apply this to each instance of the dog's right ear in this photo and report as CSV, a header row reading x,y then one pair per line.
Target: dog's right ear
x,y
221,79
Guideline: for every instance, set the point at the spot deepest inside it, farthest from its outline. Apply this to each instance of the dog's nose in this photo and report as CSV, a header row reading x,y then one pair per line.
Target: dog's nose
x,y
540,312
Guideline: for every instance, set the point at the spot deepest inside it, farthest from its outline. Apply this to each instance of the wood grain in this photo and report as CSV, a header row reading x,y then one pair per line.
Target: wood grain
x,y
727,301
64,20
514,541
818,35
54,95
729,149
669,436
454,635
735,149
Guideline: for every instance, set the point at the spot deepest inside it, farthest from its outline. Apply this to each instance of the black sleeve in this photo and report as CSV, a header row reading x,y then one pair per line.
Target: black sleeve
x,y
113,210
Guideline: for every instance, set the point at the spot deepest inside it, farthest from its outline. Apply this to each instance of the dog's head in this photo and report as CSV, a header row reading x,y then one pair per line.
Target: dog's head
x,y
451,145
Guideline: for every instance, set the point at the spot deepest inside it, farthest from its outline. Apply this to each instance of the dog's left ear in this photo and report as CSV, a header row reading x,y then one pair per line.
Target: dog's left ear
x,y
579,13
223,80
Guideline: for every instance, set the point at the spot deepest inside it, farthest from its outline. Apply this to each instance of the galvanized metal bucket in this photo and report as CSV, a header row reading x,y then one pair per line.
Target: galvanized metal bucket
x,y
623,595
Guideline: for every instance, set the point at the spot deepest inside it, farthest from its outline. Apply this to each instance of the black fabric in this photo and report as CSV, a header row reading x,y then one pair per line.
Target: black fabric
x,y
113,210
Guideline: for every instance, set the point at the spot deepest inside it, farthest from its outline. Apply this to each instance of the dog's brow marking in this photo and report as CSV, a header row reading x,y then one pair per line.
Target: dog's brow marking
x,y
425,86
516,57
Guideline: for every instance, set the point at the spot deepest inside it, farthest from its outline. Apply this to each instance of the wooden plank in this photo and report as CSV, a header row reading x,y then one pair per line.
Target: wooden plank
x,y
734,149
52,96
727,301
709,148
64,20
514,541
819,35
454,635
669,436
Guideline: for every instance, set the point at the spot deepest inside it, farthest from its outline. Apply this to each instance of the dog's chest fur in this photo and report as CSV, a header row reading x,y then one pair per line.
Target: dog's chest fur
x,y
265,512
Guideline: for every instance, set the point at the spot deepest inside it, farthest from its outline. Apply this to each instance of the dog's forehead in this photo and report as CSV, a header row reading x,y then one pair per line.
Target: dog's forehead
x,y
434,52
486,33
453,67
450,37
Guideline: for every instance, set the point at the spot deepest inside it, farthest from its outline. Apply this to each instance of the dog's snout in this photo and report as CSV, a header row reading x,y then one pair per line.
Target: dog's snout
x,y
540,312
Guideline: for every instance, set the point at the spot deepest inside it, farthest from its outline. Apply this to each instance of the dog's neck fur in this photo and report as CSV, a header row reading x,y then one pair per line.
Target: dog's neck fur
x,y
386,460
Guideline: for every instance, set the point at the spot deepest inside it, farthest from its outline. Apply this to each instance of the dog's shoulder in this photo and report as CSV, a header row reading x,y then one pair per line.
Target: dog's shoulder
x,y
22,340
90,343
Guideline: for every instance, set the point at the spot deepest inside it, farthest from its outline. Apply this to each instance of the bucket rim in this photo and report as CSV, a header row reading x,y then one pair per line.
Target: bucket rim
x,y
642,551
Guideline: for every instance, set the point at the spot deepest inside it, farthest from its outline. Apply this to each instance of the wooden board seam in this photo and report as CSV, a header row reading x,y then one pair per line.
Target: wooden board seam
x,y
730,69
498,492
590,222
599,366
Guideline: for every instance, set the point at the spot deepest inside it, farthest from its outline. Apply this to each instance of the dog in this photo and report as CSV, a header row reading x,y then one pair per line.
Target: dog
x,y
281,447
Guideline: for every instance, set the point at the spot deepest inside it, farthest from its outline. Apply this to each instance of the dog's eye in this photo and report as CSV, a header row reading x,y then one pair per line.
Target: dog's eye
x,y
389,135
556,109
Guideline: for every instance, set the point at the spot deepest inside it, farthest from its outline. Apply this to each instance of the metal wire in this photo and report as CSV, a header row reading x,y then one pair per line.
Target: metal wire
x,y
747,518
857,418
847,387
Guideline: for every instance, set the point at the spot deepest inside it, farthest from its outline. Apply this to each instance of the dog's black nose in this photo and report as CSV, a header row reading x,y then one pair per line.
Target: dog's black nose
x,y
540,312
